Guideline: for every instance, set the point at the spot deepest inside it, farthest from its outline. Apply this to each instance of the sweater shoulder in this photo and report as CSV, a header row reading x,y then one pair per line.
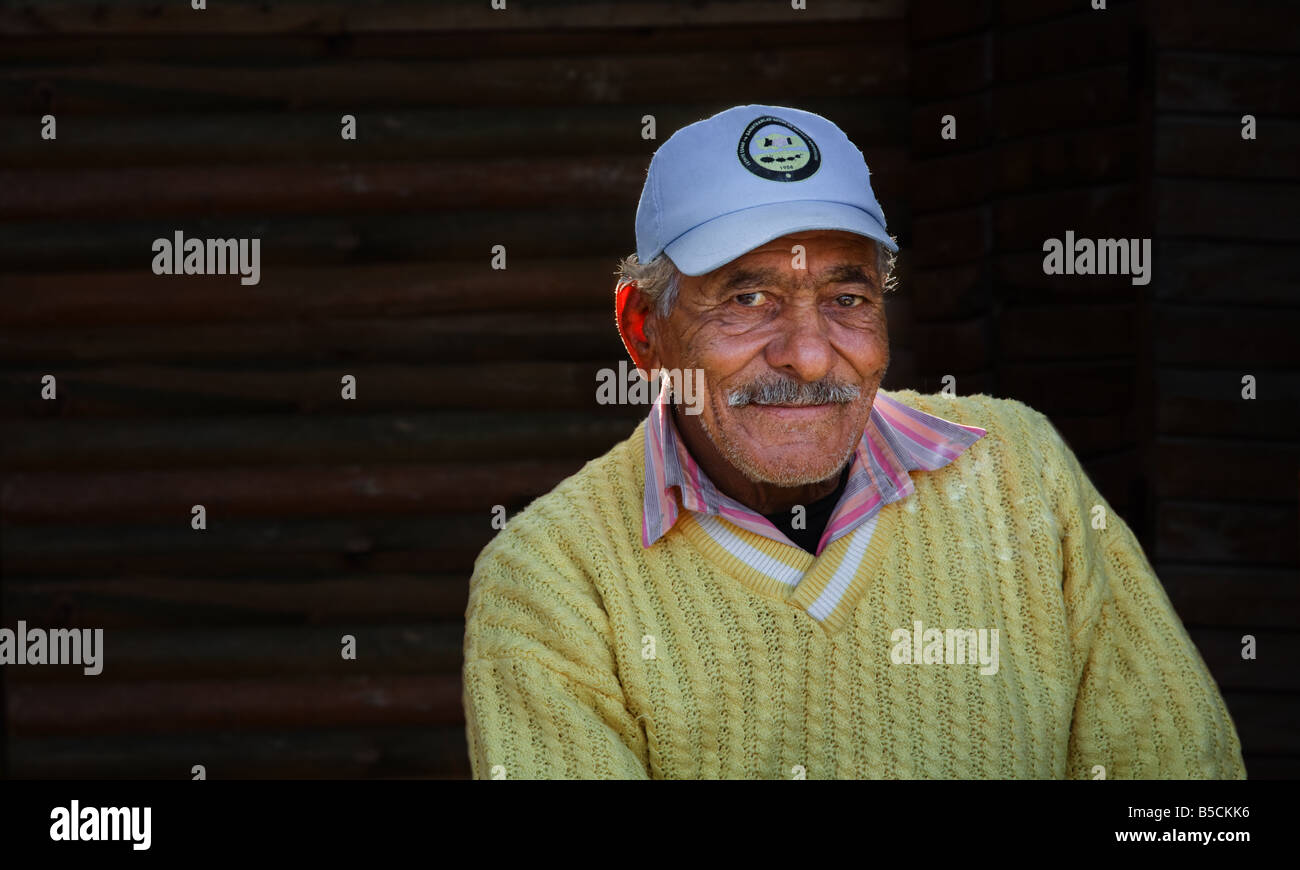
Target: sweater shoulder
x,y
535,589
564,519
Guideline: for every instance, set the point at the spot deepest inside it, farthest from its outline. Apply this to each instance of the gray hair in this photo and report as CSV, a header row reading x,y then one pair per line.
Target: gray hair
x,y
660,279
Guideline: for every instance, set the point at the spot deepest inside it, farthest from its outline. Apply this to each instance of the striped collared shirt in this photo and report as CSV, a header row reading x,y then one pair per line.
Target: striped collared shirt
x,y
897,439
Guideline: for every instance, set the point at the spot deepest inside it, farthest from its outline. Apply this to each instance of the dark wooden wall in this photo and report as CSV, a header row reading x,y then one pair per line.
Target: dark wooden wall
x,y
1048,139
477,387
1222,472
1125,123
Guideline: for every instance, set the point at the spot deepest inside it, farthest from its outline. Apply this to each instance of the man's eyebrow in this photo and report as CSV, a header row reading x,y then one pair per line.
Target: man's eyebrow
x,y
743,278
849,273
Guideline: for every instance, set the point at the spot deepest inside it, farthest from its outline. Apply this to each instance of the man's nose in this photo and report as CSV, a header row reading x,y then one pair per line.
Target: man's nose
x,y
801,346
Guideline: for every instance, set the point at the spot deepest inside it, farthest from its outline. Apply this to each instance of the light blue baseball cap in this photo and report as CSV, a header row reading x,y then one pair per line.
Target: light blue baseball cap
x,y
721,187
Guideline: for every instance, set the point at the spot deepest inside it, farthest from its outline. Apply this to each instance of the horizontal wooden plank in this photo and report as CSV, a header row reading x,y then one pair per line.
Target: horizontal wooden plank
x,y
1252,26
1204,147
1062,45
115,496
1092,98
1091,435
49,48
111,603
1204,82
1267,723
276,652
1223,595
1277,668
973,115
1022,11
179,706
163,390
49,245
1088,156
1275,390
395,132
950,238
953,67
1238,210
959,180
60,444
1102,212
556,80
1226,532
1066,331
1210,404
516,335
347,16
361,290
1259,337
954,347
574,181
954,292
1019,278
1232,273
316,558
930,20
367,753
311,547
1233,417
1212,469
1071,387
328,188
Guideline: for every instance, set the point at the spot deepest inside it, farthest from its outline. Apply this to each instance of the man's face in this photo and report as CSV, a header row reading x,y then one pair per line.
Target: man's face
x,y
792,357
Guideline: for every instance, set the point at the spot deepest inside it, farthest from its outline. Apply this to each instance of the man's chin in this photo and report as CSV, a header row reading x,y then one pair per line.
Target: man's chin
x,y
798,452
789,471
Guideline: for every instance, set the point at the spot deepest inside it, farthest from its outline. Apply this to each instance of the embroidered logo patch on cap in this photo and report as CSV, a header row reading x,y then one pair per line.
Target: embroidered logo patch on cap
x,y
778,150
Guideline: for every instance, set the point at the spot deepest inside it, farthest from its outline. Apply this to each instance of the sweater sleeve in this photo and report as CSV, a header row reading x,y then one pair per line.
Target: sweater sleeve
x,y
541,691
1146,705
526,721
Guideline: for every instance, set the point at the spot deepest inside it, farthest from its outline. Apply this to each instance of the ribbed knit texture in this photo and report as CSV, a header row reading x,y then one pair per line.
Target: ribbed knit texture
x,y
1095,667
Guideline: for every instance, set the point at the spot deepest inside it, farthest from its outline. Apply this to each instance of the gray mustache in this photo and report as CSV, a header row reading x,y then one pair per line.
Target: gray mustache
x,y
783,391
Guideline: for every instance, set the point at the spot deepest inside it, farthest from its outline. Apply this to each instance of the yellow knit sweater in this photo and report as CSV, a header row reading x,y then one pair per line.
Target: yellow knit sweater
x,y
587,655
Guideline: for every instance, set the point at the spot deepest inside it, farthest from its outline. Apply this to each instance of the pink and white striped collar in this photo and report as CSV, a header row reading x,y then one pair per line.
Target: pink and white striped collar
x,y
897,439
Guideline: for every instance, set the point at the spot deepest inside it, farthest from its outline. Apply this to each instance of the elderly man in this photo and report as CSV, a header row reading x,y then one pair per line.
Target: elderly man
x,y
806,576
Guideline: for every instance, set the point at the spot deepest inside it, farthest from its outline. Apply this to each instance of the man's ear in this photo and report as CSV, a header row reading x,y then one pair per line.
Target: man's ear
x,y
630,311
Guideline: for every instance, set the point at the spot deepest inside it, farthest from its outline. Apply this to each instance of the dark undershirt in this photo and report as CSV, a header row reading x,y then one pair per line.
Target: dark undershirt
x,y
818,515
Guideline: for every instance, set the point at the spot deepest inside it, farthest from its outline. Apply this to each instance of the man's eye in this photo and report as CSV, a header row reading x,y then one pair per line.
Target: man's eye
x,y
849,300
749,300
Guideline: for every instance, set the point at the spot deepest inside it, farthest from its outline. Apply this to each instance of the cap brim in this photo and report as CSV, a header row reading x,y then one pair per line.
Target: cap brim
x,y
717,242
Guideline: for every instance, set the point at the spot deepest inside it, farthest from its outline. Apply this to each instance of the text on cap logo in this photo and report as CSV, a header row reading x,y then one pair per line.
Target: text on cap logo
x,y
778,150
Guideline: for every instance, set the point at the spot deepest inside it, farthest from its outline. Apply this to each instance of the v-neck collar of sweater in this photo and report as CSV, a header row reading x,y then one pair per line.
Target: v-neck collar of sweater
x,y
827,587
898,439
